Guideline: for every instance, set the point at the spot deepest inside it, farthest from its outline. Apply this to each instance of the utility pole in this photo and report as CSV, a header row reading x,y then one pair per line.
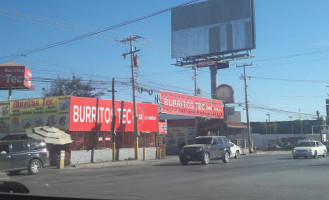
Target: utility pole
x,y
318,118
114,117
269,122
244,77
301,123
130,40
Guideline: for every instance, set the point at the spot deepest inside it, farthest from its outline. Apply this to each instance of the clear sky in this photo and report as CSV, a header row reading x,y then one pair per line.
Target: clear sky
x,y
289,71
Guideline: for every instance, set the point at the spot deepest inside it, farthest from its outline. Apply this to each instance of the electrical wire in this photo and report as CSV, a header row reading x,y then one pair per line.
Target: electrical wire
x,y
24,53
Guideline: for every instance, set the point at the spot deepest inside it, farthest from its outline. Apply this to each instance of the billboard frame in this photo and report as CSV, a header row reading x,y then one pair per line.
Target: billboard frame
x,y
224,56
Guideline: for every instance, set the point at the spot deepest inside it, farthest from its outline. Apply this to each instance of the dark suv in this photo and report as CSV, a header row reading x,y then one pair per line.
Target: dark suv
x,y
205,148
18,155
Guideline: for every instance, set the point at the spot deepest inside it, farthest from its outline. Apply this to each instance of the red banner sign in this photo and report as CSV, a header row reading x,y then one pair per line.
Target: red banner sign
x,y
181,104
88,114
163,128
15,76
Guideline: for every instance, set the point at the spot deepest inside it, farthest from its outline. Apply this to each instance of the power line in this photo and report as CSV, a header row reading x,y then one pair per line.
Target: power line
x,y
24,53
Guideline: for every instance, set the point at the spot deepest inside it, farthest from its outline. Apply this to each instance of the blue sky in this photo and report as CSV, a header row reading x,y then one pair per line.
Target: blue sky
x,y
289,71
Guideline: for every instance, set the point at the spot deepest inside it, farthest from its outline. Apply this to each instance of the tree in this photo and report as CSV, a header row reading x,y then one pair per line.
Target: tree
x,y
262,127
273,127
72,87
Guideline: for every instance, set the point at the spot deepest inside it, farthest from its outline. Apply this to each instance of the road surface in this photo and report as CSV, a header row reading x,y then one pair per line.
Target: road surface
x,y
249,177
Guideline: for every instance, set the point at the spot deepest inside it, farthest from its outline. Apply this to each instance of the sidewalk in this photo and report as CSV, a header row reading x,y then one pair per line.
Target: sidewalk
x,y
124,163
167,159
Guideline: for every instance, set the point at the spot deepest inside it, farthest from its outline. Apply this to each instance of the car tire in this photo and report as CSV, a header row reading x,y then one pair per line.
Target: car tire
x,y
226,157
34,166
237,154
315,155
205,158
324,154
183,162
15,172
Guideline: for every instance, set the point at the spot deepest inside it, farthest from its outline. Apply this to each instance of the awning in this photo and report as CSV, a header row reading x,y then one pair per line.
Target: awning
x,y
50,135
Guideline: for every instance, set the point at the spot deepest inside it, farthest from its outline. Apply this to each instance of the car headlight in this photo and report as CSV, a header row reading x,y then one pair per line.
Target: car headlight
x,y
199,149
294,150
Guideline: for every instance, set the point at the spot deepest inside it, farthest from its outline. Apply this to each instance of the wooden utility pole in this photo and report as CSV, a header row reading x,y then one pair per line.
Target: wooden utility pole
x,y
113,121
244,77
130,40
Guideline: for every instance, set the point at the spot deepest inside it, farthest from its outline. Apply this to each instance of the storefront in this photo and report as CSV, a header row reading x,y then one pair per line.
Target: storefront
x,y
89,122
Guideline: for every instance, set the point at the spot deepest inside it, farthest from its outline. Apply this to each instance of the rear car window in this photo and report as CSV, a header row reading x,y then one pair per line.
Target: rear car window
x,y
37,145
18,147
219,140
225,140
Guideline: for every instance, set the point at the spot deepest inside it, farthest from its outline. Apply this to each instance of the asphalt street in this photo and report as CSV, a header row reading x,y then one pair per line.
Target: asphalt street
x,y
249,177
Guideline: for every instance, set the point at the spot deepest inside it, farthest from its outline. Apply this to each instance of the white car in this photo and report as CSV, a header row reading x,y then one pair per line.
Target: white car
x,y
309,149
235,150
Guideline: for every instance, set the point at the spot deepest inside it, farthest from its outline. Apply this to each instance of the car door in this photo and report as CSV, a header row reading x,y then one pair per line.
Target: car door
x,y
322,148
213,149
19,155
220,148
5,161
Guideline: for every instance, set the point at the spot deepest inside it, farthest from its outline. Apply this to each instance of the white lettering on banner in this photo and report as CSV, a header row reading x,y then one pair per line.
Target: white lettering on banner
x,y
8,70
124,115
88,112
75,113
12,79
101,109
93,115
178,103
84,113
107,120
128,111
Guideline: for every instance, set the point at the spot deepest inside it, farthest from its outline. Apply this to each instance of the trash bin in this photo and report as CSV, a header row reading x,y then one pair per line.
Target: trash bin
x,y
60,160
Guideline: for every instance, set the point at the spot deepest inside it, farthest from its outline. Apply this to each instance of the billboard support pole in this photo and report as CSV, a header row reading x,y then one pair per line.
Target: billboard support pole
x,y
195,81
196,120
244,77
213,81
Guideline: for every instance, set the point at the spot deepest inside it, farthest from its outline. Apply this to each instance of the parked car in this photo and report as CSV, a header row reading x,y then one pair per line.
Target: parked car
x,y
309,149
18,155
206,148
235,150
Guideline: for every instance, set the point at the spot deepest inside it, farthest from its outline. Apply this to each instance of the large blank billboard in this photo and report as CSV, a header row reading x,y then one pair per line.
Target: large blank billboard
x,y
212,27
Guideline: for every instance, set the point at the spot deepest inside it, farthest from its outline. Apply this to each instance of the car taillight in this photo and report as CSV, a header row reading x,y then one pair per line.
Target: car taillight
x,y
47,153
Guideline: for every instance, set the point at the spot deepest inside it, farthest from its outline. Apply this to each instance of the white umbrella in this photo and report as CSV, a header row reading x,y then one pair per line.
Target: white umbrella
x,y
50,135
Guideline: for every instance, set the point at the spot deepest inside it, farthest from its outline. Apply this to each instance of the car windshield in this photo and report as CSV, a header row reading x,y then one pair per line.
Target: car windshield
x,y
306,144
202,141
